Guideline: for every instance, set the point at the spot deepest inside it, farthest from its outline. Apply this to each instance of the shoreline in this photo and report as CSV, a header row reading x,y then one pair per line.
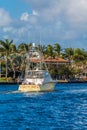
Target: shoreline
x,y
58,82
13,83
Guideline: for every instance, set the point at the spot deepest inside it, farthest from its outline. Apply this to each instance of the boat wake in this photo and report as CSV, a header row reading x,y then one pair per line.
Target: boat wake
x,y
8,92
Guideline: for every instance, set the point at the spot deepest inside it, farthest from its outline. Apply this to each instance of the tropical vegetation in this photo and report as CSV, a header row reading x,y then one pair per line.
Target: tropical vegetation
x,y
13,60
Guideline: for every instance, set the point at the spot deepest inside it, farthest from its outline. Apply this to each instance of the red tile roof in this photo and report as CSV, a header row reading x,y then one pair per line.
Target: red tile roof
x,y
51,60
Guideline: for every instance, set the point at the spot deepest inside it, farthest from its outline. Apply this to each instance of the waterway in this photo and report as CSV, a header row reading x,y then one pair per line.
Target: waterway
x,y
63,109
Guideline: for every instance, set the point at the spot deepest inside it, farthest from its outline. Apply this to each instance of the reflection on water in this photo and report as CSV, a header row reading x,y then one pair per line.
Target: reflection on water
x,y
63,109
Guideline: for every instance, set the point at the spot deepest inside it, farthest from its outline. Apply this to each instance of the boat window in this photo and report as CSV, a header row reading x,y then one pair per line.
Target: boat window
x,y
35,74
39,74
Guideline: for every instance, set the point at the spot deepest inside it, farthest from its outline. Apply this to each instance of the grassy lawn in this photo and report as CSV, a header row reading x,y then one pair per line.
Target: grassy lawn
x,y
3,79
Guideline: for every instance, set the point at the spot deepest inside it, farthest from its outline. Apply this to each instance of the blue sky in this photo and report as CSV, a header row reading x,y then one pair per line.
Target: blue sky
x,y
45,21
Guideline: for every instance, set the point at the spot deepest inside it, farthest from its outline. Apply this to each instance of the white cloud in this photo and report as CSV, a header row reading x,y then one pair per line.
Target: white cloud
x,y
7,29
57,20
71,11
34,12
76,13
24,16
5,18
30,18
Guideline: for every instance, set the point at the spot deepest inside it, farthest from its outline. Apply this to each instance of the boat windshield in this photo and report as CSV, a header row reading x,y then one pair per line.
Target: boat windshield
x,y
35,74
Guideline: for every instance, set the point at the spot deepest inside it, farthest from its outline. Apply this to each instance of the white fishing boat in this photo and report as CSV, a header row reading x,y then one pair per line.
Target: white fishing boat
x,y
37,77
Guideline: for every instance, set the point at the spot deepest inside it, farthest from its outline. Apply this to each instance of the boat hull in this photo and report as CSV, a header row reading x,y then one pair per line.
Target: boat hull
x,y
37,88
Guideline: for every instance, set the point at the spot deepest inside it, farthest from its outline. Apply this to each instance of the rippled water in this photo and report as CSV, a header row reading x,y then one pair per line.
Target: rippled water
x,y
63,109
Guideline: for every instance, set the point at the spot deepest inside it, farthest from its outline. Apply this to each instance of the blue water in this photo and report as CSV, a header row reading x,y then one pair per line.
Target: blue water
x,y
63,109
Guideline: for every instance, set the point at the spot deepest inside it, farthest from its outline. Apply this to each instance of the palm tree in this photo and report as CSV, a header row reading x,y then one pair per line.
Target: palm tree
x,y
15,63
2,58
57,49
6,45
69,53
49,50
23,48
